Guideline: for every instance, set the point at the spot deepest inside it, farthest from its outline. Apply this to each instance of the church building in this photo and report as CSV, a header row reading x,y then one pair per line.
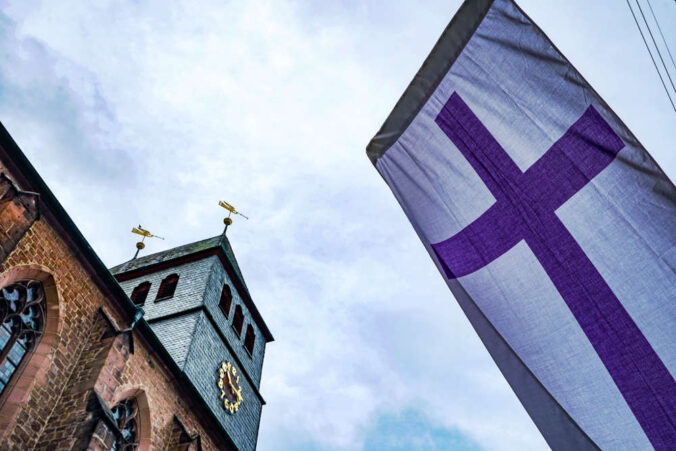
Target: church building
x,y
164,351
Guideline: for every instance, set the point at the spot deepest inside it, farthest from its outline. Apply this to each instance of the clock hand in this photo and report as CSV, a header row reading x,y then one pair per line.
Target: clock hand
x,y
232,386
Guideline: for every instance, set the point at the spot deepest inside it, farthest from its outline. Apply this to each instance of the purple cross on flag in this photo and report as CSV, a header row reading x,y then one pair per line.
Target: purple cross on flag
x,y
555,230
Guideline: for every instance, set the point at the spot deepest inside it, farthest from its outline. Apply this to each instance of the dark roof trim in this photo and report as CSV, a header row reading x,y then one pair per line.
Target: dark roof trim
x,y
441,58
183,259
27,177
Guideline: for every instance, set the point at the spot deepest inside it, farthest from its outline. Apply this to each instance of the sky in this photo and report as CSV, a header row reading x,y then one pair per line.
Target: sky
x,y
149,112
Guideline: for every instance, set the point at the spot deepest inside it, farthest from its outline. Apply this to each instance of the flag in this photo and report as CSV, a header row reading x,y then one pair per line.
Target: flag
x,y
553,227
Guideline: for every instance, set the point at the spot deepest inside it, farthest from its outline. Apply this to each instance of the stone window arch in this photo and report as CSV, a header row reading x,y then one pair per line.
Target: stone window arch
x,y
167,287
249,339
140,293
35,363
23,309
238,320
126,416
131,413
226,300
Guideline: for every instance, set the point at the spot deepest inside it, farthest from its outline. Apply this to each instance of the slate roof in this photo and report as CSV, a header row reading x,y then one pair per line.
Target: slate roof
x,y
218,242
186,249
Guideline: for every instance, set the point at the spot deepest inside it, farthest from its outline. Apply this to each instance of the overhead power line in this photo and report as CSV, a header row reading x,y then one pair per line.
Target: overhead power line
x,y
640,30
661,34
657,48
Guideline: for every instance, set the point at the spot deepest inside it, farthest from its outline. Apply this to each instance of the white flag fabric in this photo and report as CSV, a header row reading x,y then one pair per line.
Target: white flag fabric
x,y
554,228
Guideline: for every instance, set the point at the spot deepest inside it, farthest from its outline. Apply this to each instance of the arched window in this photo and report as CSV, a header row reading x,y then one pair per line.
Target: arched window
x,y
226,300
22,310
238,320
167,287
125,414
140,293
249,339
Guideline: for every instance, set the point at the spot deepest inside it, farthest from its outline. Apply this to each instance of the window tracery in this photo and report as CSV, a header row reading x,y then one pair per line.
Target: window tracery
x,y
22,312
125,415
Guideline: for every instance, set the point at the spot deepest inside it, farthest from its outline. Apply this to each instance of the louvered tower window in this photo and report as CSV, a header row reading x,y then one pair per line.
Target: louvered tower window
x,y
249,339
167,287
22,308
226,300
140,293
238,320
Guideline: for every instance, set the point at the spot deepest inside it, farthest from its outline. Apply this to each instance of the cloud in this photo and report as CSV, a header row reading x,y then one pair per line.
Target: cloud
x,y
149,112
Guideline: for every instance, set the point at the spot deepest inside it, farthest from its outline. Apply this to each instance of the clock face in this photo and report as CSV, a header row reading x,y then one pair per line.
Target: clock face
x,y
231,390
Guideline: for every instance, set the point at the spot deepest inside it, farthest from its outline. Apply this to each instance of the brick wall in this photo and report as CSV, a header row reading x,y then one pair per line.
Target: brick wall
x,y
18,211
54,410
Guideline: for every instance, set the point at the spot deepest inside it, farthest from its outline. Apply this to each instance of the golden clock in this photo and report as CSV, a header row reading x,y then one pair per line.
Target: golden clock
x,y
231,390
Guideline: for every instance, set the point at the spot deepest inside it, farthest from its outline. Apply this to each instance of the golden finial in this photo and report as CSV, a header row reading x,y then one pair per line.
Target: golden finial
x,y
231,210
145,234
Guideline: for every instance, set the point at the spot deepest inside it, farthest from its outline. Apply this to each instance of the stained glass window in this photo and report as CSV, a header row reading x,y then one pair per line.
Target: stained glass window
x,y
125,414
22,310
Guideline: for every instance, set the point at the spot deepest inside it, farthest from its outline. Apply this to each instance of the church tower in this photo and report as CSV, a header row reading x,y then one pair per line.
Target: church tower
x,y
197,303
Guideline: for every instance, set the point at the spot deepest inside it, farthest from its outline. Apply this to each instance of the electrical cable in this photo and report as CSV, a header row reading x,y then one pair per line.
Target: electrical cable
x,y
656,47
661,34
651,56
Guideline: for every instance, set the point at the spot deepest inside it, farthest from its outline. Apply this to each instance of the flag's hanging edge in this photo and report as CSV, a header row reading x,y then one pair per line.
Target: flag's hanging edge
x,y
441,58
559,430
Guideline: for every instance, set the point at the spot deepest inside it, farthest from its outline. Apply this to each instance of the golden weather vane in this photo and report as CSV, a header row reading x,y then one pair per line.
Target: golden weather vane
x,y
231,210
145,234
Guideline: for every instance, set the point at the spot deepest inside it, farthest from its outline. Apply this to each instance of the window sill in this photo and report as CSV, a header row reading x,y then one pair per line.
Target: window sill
x,y
166,298
239,334
248,352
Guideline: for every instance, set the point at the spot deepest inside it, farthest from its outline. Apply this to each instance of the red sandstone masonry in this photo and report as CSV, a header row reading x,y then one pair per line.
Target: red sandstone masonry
x,y
50,412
